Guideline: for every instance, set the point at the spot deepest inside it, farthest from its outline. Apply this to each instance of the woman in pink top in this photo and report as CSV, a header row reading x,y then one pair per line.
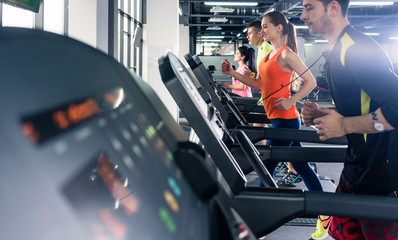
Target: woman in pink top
x,y
246,58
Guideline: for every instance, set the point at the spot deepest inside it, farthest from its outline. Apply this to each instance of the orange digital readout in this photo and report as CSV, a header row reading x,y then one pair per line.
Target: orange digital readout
x,y
41,126
75,113
115,186
29,130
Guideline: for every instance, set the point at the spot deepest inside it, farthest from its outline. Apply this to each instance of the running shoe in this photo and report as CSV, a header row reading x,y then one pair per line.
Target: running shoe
x,y
281,169
291,178
322,226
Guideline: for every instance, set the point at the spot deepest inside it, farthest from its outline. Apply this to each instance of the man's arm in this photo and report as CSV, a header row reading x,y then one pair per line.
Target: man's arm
x,y
334,125
372,70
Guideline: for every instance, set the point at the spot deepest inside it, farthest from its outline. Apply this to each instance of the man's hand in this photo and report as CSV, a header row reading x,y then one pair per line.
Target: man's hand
x,y
283,103
330,125
226,67
309,112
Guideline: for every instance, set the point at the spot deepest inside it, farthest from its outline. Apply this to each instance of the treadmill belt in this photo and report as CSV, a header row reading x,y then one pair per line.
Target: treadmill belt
x,y
308,222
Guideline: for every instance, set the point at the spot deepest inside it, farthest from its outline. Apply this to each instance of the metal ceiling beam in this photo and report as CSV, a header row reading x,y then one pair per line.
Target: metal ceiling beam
x,y
215,32
361,16
259,1
220,36
218,25
372,16
226,16
374,21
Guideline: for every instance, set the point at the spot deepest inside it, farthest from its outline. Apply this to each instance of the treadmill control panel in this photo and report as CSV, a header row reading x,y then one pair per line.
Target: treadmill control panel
x,y
87,148
210,131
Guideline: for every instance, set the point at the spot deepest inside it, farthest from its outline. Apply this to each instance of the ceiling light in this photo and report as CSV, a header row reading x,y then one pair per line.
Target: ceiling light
x,y
212,37
372,34
210,44
239,34
217,19
215,28
222,10
371,3
394,38
301,27
180,11
245,30
231,3
211,40
321,41
308,44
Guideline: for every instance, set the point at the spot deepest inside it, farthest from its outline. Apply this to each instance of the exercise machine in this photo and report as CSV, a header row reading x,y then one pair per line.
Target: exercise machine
x,y
88,151
264,209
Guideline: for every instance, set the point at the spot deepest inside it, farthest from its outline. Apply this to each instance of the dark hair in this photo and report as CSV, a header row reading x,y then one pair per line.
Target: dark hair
x,y
249,57
343,3
289,31
256,24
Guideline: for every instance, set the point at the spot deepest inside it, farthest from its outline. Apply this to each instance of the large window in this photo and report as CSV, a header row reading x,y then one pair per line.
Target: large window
x,y
129,34
54,16
49,18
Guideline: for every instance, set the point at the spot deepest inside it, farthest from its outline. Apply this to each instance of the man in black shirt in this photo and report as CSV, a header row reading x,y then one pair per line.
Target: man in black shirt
x,y
365,91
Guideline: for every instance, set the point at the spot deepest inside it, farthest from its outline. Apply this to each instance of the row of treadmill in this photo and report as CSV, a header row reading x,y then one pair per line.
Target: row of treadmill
x,y
89,151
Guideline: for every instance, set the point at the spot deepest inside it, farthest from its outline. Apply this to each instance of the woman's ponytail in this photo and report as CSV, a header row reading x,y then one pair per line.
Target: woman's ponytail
x,y
291,39
249,57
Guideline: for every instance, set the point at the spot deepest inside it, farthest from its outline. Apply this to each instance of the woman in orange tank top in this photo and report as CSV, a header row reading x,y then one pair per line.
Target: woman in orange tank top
x,y
276,70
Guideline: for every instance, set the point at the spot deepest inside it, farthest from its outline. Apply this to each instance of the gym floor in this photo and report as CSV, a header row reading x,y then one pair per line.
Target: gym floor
x,y
288,232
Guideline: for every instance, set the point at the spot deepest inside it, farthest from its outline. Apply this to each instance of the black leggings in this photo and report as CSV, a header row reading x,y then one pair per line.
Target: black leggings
x,y
310,178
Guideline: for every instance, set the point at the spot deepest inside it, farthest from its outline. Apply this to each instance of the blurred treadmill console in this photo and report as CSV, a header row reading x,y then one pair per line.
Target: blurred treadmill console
x,y
88,151
247,106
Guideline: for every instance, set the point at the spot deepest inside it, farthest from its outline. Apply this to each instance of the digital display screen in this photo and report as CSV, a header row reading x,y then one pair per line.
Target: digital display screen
x,y
104,200
47,124
112,206
131,185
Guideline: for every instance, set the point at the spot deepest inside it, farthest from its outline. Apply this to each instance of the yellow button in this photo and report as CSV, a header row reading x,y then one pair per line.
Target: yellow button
x,y
171,201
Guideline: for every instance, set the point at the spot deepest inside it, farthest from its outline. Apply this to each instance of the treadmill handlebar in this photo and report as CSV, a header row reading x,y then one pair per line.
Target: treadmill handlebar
x,y
274,207
257,134
352,205
252,155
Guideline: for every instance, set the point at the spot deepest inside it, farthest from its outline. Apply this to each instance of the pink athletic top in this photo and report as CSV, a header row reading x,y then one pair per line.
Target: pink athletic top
x,y
247,92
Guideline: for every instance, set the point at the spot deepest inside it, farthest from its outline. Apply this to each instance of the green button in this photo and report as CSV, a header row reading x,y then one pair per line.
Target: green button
x,y
150,132
168,220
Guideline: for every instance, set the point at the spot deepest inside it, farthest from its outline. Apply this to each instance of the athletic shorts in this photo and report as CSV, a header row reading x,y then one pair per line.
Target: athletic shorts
x,y
359,229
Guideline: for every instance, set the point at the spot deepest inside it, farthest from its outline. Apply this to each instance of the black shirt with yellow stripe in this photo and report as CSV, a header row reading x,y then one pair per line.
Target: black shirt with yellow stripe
x,y
361,78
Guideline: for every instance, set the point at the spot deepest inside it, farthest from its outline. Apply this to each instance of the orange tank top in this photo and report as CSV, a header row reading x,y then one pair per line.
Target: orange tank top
x,y
272,78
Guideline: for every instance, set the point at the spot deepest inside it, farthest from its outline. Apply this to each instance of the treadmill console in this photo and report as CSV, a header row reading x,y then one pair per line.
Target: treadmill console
x,y
87,149
179,83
